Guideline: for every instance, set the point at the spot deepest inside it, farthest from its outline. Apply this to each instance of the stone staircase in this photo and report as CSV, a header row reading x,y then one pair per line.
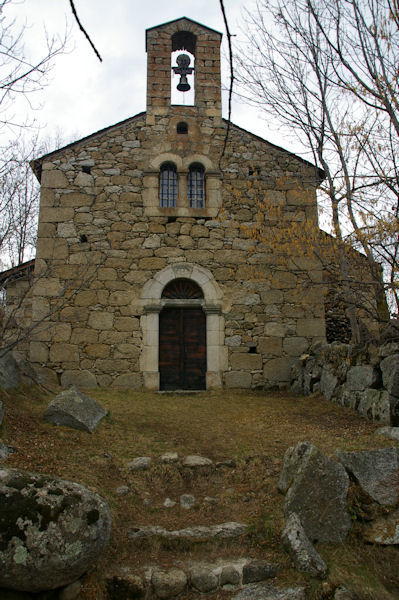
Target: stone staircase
x,y
197,556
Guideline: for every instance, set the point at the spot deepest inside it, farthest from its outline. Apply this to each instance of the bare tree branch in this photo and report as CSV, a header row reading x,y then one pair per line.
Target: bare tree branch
x,y
231,78
83,30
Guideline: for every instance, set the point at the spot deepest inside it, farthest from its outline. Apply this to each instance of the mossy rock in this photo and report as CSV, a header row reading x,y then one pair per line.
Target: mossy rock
x,y
51,530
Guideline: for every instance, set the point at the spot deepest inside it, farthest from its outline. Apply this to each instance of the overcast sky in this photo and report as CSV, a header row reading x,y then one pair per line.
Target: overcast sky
x,y
85,95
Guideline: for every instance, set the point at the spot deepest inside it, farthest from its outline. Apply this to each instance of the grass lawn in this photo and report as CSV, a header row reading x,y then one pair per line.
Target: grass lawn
x,y
253,428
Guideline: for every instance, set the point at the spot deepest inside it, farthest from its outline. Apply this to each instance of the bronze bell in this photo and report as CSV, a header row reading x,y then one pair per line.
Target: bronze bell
x,y
183,70
183,85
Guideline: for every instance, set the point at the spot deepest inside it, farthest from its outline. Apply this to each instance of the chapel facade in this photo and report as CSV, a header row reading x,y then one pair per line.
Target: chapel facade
x,y
146,274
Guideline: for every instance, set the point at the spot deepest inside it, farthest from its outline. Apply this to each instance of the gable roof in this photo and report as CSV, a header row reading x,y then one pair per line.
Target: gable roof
x,y
17,272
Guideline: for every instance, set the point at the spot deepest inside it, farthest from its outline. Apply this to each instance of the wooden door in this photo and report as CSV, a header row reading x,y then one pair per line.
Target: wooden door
x,y
182,349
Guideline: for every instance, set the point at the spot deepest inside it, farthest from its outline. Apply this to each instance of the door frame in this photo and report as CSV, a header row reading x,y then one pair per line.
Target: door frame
x,y
211,304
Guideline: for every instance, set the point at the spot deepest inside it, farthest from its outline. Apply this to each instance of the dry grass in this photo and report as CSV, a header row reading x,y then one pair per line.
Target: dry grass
x,y
254,429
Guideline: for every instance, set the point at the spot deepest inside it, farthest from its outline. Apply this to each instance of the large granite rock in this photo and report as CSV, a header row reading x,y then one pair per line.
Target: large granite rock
x,y
318,495
9,372
304,555
203,579
167,584
293,458
73,409
390,374
258,570
51,530
375,405
328,383
362,377
376,471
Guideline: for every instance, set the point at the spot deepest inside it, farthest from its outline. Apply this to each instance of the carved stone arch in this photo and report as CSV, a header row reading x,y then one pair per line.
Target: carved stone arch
x,y
157,161
152,290
198,158
211,304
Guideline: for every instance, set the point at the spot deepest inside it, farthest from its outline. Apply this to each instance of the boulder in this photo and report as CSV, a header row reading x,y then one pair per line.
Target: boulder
x,y
390,374
375,405
293,457
328,383
265,591
73,409
229,576
9,372
167,584
318,495
1,413
203,579
362,377
349,398
383,530
258,570
376,471
51,530
304,555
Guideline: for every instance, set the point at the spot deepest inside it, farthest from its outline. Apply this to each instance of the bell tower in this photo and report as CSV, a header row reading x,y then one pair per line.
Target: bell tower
x,y
184,54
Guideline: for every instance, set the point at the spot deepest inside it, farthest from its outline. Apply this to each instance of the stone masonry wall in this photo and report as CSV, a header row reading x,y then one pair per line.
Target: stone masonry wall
x,y
97,247
365,380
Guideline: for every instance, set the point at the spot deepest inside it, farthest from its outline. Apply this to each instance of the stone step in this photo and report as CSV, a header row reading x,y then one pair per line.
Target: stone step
x,y
192,461
200,532
197,577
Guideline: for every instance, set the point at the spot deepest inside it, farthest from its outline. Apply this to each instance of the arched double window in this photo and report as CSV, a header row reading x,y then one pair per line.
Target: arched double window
x,y
168,185
196,186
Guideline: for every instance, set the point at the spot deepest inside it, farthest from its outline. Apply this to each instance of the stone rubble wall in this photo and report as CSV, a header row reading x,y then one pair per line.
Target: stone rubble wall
x,y
97,247
366,381
16,316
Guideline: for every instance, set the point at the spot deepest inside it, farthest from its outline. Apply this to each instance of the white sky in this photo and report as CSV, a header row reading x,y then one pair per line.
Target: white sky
x,y
84,95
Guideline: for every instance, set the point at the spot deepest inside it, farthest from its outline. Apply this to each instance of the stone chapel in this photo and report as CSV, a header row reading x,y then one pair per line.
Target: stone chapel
x,y
145,275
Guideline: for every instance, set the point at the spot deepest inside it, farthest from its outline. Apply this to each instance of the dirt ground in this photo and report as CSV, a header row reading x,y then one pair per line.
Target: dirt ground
x,y
253,429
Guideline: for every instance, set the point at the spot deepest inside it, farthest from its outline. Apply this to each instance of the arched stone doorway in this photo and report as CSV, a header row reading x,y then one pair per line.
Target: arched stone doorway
x,y
182,337
183,330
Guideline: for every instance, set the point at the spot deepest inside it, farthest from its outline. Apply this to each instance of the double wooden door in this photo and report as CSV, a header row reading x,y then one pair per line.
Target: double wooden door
x,y
182,349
